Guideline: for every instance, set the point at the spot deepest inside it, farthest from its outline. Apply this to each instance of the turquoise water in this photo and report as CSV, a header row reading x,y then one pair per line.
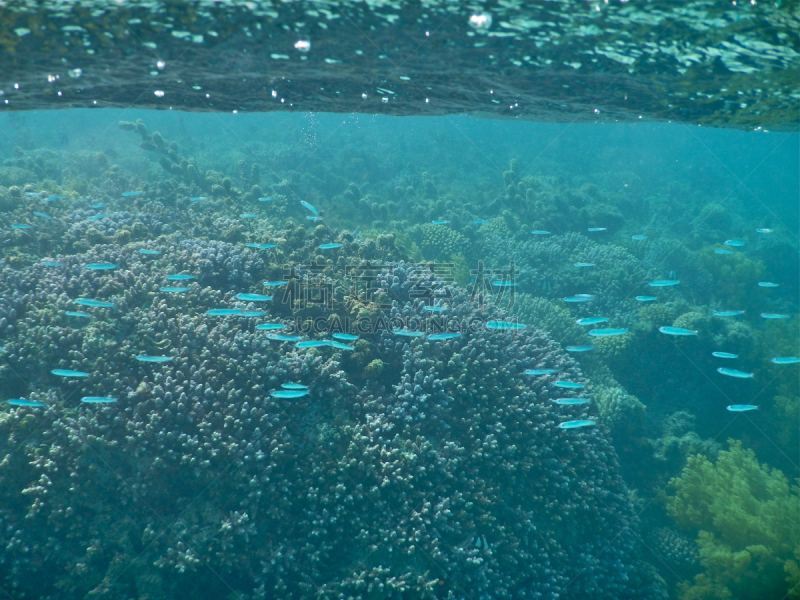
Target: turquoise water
x,y
314,355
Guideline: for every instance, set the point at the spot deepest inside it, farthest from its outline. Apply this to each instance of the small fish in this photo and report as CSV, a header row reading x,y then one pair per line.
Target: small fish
x,y
577,298
443,336
96,217
572,401
251,313
340,345
768,284
179,277
540,232
786,360
100,266
51,263
174,290
645,298
294,386
582,265
149,252
407,332
97,400
741,407
42,215
724,355
309,207
68,373
345,337
676,331
727,313
34,194
503,325
261,246
266,199
75,313
271,326
607,332
578,348
26,403
312,344
591,320
289,393
222,312
575,424
638,238
540,371
100,205
479,221
773,316
596,229
434,308
198,199
248,216
278,337
51,199
734,373
96,303
734,243
313,218
153,359
253,297
329,246
20,226
663,283
764,230
274,283
504,284
440,222
724,252
129,194
569,385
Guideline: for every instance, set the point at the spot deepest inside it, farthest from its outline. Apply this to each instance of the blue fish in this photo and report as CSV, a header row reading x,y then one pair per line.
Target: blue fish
x,y
149,252
179,277
345,337
43,215
575,424
724,355
153,359
97,400
96,217
503,325
645,298
261,246
504,284
174,290
198,199
577,298
289,393
764,230
569,385
20,226
607,332
251,313
407,332
434,308
26,403
786,360
591,320
540,232
663,283
727,313
100,205
96,303
584,265
278,337
578,348
440,222
773,316
734,373
329,246
677,331
51,263
294,386
271,326
34,194
314,218
266,199
741,407
81,315
129,194
340,345
595,229
480,221
734,243
51,198
638,238
572,401
540,371
253,297
443,336
68,373
724,252
222,312
248,216
100,266
309,207
767,284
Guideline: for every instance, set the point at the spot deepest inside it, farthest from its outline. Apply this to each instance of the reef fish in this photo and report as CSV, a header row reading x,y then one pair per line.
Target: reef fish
x,y
479,221
51,263
312,344
773,316
724,355
734,243
578,298
98,400
582,265
768,284
434,308
572,401
314,218
153,359
100,266
34,194
663,283
248,216
198,199
741,407
591,320
578,348
99,205
607,332
576,424
645,298
174,290
407,332
129,194
676,331
734,373
222,312
289,393
724,252
309,207
440,222
346,337
275,283
540,232
786,360
179,277
96,217
23,402
51,198
253,297
68,373
503,325
443,336
266,199
96,303
329,246
75,313
43,215
149,252
251,313
569,385
339,345
638,238
278,337
765,230
270,326
727,313
540,371
294,386
20,226
261,246
595,229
